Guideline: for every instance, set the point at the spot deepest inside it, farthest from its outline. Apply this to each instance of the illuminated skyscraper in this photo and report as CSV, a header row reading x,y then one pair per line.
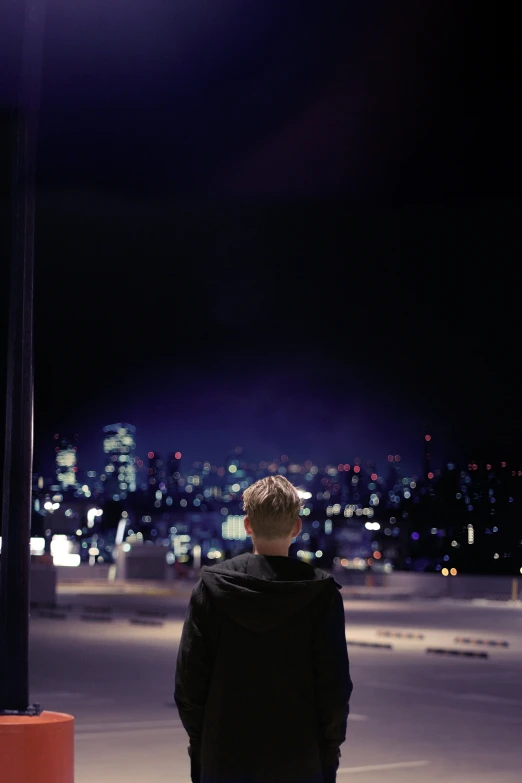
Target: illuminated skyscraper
x,y
66,461
120,469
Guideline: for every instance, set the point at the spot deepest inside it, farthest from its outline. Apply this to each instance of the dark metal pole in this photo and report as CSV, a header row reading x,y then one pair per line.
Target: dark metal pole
x,y
18,463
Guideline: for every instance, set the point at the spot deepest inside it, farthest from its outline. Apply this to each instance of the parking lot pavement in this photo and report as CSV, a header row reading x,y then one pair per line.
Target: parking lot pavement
x,y
414,715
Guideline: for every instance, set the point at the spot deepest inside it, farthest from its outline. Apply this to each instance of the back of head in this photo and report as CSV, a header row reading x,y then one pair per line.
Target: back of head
x,y
272,506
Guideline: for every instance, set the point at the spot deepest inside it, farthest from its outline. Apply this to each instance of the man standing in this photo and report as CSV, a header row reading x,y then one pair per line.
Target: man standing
x,y
262,678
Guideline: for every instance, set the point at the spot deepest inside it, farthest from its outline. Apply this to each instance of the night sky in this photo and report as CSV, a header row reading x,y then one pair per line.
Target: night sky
x,y
273,224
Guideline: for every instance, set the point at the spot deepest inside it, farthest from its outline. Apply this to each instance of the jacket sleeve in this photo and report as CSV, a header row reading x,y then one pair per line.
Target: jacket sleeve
x,y
332,682
195,663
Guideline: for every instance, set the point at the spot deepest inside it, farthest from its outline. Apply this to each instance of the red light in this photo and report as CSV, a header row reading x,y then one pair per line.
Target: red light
x,y
56,436
430,475
390,457
397,458
488,467
177,455
347,467
340,467
150,455
374,477
503,464
356,469
377,555
427,437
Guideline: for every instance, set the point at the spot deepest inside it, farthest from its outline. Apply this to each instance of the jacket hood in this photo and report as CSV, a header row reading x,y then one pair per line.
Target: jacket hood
x,y
262,592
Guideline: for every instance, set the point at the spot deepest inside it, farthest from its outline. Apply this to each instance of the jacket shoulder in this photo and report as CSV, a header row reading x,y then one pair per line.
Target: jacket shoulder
x,y
237,564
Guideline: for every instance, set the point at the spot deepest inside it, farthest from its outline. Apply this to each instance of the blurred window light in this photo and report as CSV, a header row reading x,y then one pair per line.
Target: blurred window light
x,y
68,560
37,546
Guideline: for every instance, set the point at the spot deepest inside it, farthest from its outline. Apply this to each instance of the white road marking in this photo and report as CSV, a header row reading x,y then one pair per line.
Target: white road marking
x,y
41,695
167,730
383,767
450,694
45,699
128,726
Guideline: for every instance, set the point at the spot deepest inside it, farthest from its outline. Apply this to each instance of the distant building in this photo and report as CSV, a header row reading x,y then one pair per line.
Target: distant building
x,y
428,468
120,469
237,477
66,462
174,468
156,477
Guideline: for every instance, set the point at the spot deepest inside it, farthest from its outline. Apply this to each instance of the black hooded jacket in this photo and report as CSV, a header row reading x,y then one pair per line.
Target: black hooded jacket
x,y
262,677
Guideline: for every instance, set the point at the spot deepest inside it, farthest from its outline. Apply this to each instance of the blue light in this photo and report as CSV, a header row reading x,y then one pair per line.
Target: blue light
x,y
415,536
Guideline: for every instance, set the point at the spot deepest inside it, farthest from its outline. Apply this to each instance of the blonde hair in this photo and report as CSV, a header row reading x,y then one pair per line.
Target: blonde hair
x,y
272,506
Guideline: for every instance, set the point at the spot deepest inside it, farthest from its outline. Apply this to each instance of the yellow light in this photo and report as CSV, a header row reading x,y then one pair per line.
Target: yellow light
x,y
445,572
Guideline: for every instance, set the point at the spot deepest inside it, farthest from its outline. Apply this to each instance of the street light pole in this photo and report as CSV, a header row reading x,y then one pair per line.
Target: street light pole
x,y
18,462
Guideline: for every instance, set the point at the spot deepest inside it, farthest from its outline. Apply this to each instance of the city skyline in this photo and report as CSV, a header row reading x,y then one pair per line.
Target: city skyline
x,y
90,453
451,518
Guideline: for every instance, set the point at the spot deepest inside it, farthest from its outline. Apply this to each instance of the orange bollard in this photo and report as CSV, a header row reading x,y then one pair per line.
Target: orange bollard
x,y
37,749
